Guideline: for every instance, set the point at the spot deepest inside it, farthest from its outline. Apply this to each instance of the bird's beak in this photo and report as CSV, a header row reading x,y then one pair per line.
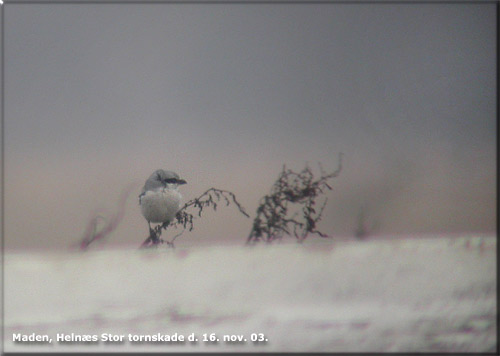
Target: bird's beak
x,y
181,181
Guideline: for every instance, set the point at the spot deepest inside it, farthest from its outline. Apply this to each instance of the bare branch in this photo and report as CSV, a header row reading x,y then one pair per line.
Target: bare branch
x,y
290,190
184,218
92,234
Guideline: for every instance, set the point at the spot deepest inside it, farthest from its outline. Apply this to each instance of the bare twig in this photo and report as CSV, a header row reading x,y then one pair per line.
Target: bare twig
x,y
184,218
92,234
290,190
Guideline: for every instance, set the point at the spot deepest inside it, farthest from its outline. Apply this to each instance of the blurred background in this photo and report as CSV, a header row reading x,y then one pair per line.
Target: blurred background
x,y
97,97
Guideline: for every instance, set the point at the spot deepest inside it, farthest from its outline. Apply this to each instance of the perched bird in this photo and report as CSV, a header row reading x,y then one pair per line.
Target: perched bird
x,y
160,199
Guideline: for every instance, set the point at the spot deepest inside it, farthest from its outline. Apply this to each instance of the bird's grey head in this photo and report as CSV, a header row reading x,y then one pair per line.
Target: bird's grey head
x,y
161,178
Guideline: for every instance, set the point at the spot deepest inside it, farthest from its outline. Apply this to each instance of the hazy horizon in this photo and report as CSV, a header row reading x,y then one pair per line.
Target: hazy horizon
x,y
99,96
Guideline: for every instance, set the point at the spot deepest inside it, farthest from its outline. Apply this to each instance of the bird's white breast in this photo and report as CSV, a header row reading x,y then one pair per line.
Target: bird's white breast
x,y
160,205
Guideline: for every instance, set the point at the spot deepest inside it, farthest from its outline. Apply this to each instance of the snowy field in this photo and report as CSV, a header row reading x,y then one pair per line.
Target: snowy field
x,y
427,294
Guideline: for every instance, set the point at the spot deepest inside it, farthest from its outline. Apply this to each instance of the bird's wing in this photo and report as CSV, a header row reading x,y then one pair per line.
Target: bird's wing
x,y
141,195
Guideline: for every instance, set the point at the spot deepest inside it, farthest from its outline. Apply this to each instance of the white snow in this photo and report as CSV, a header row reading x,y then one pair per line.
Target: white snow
x,y
435,294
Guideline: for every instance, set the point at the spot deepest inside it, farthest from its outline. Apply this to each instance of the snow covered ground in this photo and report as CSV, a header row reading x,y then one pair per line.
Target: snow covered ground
x,y
394,294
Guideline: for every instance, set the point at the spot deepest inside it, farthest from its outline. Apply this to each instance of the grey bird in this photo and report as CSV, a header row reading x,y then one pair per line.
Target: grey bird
x,y
160,198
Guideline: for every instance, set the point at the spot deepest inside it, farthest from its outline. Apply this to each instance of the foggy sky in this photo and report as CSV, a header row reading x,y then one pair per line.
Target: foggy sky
x,y
99,96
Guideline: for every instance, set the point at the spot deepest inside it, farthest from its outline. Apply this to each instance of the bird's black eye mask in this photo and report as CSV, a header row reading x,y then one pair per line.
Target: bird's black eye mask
x,y
166,180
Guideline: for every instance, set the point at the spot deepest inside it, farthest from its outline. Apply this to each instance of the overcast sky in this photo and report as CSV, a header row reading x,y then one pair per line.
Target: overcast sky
x,y
99,96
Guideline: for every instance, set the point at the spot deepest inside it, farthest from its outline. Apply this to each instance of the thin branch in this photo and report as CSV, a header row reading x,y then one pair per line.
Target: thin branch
x,y
91,234
184,218
292,189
